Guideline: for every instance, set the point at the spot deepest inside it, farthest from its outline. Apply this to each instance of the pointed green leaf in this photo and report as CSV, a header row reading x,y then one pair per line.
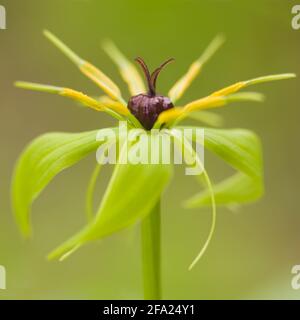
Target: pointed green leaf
x,y
132,192
41,161
242,150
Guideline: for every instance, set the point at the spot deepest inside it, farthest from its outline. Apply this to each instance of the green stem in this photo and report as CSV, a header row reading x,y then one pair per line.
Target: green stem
x,y
151,254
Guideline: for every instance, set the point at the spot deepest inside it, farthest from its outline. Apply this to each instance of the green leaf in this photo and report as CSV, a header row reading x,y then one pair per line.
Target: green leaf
x,y
241,149
41,161
132,192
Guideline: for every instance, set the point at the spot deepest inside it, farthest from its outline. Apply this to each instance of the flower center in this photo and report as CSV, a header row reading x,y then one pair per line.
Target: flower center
x,y
146,107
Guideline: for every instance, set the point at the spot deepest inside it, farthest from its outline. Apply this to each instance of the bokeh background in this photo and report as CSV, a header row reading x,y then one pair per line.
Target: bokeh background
x,y
254,247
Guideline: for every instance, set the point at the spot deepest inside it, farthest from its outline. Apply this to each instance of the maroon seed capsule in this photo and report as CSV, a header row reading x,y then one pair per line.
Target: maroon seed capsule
x,y
146,107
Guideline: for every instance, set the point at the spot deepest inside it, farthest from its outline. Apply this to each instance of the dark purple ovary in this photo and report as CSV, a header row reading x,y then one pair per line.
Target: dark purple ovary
x,y
146,107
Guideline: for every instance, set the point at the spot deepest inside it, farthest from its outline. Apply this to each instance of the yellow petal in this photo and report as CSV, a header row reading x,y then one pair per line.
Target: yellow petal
x,y
127,69
113,110
82,98
175,115
182,84
228,90
103,81
178,113
96,75
219,101
204,103
242,84
90,102
168,116
113,104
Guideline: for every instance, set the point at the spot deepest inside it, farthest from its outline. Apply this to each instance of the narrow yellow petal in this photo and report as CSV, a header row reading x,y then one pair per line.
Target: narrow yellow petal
x,y
38,87
219,101
179,113
104,82
174,116
115,110
242,84
183,83
113,104
168,116
204,103
90,102
275,77
228,90
106,99
82,98
120,108
127,69
220,98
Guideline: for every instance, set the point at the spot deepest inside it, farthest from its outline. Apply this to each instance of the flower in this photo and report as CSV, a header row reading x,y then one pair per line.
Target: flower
x,y
51,153
146,107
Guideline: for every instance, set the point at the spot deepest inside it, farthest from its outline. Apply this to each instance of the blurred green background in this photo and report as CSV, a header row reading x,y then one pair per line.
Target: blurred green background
x,y
254,247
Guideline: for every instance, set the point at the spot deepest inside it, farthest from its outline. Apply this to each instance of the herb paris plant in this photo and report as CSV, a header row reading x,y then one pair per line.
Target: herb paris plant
x,y
51,153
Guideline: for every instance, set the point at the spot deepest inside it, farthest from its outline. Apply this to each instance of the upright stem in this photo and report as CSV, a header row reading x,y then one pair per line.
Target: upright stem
x,y
151,254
